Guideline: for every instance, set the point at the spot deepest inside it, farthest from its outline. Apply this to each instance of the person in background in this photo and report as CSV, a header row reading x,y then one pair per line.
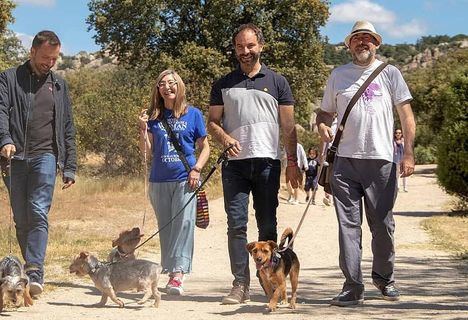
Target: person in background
x,y
398,152
171,186
302,163
37,136
311,174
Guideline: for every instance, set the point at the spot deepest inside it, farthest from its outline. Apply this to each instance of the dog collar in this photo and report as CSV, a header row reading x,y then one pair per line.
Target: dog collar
x,y
275,259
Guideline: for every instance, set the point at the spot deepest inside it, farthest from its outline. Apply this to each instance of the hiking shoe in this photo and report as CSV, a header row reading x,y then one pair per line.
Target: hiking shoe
x,y
326,201
174,287
389,291
239,294
35,289
348,298
307,199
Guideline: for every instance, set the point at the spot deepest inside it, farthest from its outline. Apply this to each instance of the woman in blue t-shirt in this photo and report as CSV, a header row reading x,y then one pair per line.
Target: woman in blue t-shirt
x,y
171,185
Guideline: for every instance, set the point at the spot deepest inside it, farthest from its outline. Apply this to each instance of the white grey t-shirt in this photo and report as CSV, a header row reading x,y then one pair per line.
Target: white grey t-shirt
x,y
368,132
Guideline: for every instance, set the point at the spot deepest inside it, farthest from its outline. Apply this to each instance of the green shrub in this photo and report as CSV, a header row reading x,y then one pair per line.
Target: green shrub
x,y
452,147
425,155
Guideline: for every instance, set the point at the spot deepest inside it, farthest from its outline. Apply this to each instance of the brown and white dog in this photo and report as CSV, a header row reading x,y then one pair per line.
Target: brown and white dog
x,y
124,245
274,265
14,283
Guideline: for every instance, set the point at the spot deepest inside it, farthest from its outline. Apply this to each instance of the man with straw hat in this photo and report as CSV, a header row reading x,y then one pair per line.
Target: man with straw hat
x,y
363,168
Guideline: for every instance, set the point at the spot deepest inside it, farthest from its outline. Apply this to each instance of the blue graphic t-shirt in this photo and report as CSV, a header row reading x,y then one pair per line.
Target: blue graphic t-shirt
x,y
166,165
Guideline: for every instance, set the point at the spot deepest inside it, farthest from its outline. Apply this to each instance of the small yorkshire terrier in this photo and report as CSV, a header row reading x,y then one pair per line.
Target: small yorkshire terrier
x,y
124,245
14,283
124,275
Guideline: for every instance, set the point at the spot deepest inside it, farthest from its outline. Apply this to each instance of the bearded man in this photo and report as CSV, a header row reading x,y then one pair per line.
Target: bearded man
x,y
363,168
247,109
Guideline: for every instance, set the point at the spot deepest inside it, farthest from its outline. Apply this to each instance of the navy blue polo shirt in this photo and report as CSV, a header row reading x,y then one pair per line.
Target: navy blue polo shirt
x,y
251,110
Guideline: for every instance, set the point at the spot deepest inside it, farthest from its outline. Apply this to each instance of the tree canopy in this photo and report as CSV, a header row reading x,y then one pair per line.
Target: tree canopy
x,y
157,34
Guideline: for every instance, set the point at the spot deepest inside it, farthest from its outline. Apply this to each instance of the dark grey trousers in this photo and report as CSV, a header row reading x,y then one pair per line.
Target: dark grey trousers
x,y
374,181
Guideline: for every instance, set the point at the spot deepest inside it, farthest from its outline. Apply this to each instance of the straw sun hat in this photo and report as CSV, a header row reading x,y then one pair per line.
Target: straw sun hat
x,y
363,27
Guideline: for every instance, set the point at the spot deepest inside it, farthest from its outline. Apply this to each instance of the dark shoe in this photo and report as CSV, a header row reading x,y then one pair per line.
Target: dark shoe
x,y
389,291
239,294
348,298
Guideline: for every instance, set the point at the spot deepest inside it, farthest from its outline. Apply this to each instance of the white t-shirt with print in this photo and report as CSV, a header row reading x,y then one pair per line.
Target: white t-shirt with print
x,y
368,132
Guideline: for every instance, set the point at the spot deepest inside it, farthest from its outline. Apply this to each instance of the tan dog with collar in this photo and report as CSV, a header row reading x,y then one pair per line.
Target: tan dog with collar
x,y
274,265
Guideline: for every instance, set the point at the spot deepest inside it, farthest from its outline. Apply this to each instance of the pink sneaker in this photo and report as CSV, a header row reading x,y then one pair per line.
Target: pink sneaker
x,y
174,286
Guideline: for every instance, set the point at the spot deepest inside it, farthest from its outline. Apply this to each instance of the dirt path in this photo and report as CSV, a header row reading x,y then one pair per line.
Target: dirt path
x,y
433,285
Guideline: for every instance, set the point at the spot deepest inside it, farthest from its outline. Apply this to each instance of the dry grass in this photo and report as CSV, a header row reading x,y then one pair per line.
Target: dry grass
x,y
88,216
449,233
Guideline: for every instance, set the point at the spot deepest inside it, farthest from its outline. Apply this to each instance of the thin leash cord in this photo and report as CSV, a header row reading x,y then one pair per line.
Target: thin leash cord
x,y
10,226
221,159
145,165
290,243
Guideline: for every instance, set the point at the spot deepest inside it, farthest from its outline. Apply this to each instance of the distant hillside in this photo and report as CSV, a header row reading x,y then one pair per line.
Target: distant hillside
x,y
406,56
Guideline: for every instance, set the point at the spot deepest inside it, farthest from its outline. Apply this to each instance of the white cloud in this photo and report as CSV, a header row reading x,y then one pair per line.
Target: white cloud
x,y
414,28
383,19
350,12
26,39
43,3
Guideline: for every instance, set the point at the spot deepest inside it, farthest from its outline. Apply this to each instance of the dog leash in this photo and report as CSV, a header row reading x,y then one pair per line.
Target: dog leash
x,y
222,158
145,160
298,228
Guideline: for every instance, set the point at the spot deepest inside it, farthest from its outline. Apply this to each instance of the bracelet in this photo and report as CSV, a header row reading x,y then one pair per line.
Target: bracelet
x,y
292,163
196,169
291,157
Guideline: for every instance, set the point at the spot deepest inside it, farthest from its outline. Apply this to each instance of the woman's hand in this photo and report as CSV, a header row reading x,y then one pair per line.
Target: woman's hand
x,y
143,120
194,178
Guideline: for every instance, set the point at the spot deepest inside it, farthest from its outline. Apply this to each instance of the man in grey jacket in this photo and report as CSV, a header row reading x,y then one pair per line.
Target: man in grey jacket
x,y
36,135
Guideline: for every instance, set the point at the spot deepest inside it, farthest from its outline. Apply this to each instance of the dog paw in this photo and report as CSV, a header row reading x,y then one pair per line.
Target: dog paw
x,y
98,305
121,304
292,306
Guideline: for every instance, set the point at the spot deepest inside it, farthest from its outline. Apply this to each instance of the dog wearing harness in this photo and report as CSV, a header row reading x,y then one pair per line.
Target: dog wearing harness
x,y
274,264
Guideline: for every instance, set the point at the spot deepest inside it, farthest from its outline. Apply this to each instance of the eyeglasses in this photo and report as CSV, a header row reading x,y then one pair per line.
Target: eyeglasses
x,y
169,84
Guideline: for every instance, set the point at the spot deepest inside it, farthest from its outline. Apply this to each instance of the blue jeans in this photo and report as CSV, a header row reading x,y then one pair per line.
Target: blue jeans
x,y
261,176
31,190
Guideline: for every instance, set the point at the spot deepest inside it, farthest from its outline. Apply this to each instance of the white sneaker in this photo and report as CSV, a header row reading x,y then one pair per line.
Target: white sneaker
x,y
35,289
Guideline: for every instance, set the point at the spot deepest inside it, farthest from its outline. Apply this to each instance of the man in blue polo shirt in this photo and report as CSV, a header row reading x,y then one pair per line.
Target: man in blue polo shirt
x,y
247,108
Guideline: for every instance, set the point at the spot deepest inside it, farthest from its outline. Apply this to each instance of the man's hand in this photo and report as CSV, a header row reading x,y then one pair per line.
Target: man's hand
x,y
325,132
407,165
294,176
8,151
235,149
67,183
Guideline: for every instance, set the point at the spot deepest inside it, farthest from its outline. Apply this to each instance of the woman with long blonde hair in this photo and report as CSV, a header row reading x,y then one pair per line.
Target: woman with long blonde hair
x,y
171,183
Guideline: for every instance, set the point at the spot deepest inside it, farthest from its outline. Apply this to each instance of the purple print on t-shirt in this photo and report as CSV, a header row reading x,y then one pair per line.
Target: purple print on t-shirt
x,y
369,92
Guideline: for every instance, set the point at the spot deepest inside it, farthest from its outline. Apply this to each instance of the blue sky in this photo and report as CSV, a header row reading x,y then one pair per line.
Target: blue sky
x,y
398,21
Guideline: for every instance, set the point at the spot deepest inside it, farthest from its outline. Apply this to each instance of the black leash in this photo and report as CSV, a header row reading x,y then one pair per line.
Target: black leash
x,y
223,157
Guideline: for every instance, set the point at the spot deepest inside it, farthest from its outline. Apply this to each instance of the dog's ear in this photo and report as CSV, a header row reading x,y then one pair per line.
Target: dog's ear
x,y
250,246
136,230
115,243
84,254
273,245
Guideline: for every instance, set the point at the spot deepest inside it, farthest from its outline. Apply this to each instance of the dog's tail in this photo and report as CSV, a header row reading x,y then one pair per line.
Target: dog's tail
x,y
287,234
